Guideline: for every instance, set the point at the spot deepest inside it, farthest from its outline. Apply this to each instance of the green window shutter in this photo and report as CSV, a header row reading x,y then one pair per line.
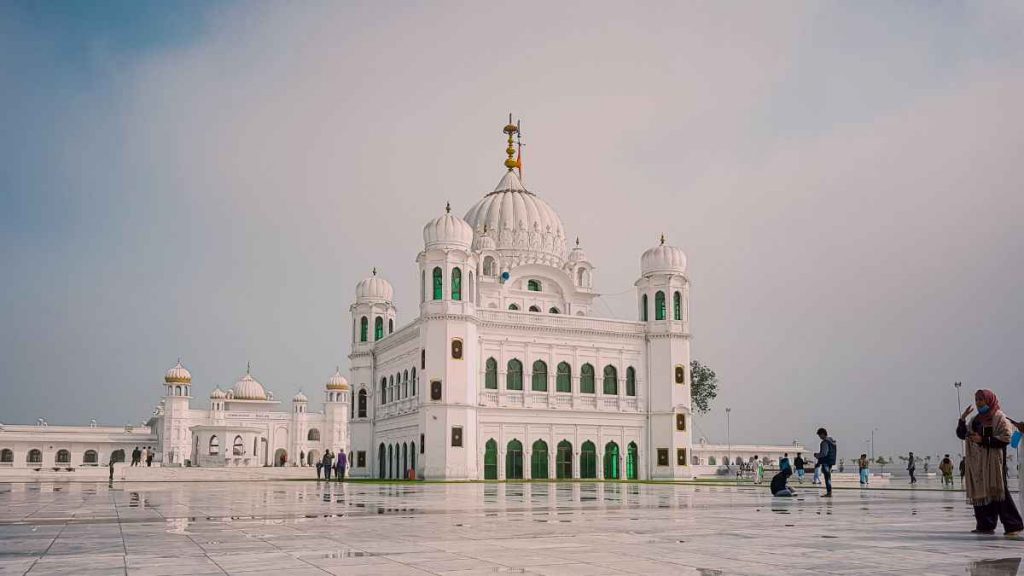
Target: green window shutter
x,y
438,284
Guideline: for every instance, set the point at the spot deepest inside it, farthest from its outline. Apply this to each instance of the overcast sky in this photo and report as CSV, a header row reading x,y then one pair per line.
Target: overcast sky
x,y
211,181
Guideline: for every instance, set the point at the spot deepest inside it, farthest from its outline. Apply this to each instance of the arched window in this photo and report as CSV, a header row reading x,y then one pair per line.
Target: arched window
x,y
534,309
514,375
588,460
6,456
712,461
643,308
631,461
659,305
90,457
63,457
405,384
214,446
423,286
539,460
514,460
513,307
533,285
383,391
364,327
456,283
539,380
677,306
378,327
611,461
491,460
579,277
611,380
238,448
381,462
438,284
413,380
472,291
405,460
489,266
553,310
587,379
630,381
313,435
391,461
563,377
412,455
391,389
362,403
491,374
391,325
35,456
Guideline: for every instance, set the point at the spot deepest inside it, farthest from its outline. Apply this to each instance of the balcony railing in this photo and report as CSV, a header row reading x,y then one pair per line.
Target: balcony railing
x,y
558,401
563,322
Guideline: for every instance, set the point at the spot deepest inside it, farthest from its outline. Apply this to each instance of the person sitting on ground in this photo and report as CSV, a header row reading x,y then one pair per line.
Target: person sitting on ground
x,y
779,487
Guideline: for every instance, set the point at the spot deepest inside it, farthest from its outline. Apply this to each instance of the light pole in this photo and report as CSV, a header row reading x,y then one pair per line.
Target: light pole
x,y
728,436
873,430
959,408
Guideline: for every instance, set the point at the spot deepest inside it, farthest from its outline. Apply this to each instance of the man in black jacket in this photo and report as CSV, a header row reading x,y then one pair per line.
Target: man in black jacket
x,y
826,456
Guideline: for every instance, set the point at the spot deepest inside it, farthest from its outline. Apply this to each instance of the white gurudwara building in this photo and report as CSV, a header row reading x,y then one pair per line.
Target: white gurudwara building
x,y
507,372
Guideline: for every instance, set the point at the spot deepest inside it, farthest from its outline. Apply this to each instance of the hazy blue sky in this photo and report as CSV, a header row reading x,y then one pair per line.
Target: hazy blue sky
x,y
211,180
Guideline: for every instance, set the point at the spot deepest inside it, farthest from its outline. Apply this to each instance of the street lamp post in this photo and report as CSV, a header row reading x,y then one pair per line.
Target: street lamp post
x,y
728,435
873,430
959,408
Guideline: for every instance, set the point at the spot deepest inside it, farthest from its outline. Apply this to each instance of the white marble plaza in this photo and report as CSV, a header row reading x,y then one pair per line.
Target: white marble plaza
x,y
299,528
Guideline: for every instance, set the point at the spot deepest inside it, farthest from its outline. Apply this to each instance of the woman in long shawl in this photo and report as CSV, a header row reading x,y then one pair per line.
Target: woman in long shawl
x,y
987,436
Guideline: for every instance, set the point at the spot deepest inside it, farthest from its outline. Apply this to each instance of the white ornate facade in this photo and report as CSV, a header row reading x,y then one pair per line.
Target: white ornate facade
x,y
506,372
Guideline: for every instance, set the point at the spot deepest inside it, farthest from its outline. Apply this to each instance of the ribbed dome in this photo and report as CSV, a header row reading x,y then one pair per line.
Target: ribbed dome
x,y
300,397
217,394
525,229
337,382
374,288
663,258
248,389
178,375
447,230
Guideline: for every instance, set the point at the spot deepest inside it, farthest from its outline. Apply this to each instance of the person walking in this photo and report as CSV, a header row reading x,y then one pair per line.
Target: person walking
x,y
985,481
339,467
150,453
784,463
799,464
319,468
946,467
911,468
863,466
757,470
328,464
136,456
826,458
816,478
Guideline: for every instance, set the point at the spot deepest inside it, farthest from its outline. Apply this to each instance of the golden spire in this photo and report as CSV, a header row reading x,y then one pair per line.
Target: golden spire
x,y
511,129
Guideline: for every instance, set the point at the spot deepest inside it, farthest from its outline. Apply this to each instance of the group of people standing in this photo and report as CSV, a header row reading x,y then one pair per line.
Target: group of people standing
x,y
330,461
138,456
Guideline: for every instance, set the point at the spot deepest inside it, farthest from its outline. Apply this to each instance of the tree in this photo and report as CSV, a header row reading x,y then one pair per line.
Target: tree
x,y
881,461
703,386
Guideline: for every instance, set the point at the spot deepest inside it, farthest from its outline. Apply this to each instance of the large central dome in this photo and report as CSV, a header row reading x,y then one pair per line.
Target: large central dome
x,y
524,228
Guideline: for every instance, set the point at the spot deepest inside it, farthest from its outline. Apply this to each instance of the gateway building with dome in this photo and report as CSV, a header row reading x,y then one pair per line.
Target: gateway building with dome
x,y
507,372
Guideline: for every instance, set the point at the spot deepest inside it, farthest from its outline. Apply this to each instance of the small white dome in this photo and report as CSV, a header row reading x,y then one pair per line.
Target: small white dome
x,y
663,258
447,230
484,241
300,397
374,288
247,388
337,382
178,375
217,394
577,254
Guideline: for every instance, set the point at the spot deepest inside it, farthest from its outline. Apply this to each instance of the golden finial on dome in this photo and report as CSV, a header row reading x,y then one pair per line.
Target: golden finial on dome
x,y
447,207
511,129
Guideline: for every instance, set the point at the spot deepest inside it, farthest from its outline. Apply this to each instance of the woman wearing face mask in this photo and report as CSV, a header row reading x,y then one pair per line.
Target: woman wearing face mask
x,y
987,436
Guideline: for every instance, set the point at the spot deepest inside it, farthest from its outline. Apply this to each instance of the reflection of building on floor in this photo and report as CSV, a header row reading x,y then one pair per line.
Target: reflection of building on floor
x,y
242,427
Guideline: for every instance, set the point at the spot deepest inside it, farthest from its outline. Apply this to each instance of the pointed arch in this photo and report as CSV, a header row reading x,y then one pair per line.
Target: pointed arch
x,y
563,377
378,327
438,283
630,381
659,305
611,461
539,460
643,308
491,460
611,380
362,403
632,457
677,306
514,375
514,460
364,327
587,379
491,374
588,460
563,460
539,378
456,283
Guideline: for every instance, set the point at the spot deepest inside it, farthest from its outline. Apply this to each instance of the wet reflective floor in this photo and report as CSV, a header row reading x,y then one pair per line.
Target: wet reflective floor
x,y
299,528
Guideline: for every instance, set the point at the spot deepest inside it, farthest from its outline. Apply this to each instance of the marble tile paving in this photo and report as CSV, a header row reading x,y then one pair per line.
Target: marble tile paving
x,y
300,528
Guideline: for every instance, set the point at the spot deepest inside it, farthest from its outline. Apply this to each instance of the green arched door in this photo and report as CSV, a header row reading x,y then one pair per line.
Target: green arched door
x,y
588,460
631,459
514,460
611,461
491,460
563,460
539,461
